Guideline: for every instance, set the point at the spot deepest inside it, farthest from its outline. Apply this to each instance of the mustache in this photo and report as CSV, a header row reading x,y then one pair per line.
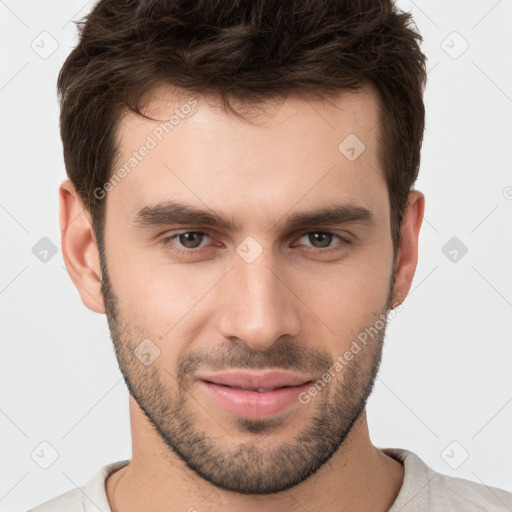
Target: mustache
x,y
280,355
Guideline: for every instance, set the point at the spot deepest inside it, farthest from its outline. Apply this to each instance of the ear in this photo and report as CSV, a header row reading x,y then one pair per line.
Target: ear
x,y
79,247
407,256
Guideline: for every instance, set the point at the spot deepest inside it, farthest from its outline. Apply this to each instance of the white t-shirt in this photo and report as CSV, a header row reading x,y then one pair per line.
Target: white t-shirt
x,y
423,490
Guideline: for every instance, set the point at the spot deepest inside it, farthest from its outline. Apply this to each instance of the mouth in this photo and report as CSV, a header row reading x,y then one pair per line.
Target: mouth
x,y
255,395
258,390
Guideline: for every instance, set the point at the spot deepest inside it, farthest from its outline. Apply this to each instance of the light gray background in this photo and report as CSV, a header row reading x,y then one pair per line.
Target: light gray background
x,y
445,386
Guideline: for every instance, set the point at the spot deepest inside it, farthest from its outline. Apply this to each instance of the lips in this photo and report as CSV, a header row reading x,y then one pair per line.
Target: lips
x,y
255,395
261,381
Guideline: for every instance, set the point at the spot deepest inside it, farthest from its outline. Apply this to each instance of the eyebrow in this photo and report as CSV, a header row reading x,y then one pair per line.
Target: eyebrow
x,y
176,213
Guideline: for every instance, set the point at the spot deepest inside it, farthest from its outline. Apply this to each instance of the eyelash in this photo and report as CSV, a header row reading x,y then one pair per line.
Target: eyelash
x,y
168,242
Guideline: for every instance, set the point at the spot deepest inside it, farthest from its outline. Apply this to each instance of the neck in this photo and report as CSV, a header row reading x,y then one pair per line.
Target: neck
x,y
358,477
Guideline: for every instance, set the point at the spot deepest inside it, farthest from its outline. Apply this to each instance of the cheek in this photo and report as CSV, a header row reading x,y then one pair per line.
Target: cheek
x,y
349,298
145,285
157,301
163,303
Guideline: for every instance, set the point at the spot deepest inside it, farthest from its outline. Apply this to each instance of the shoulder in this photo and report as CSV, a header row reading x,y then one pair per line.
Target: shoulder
x,y
70,501
426,490
448,490
91,497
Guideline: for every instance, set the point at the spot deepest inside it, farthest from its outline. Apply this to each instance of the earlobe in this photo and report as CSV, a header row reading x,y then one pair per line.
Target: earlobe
x,y
79,248
407,254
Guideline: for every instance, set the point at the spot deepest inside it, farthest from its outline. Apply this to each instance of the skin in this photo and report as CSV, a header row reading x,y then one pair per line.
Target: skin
x,y
294,305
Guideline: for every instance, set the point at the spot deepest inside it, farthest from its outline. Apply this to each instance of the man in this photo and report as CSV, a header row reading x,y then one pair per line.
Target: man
x,y
241,207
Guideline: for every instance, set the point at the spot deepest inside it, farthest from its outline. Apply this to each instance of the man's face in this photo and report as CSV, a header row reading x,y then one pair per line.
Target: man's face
x,y
267,295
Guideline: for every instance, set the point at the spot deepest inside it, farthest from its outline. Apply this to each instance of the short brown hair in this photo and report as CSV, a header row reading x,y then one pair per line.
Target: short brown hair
x,y
245,51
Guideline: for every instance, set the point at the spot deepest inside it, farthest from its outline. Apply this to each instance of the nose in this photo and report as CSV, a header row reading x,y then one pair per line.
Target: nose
x,y
259,305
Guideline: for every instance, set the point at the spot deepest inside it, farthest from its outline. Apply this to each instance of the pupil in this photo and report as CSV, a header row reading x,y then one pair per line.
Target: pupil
x,y
326,238
187,237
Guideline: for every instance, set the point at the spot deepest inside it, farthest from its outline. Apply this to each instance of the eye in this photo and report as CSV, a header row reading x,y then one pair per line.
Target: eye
x,y
187,240
322,240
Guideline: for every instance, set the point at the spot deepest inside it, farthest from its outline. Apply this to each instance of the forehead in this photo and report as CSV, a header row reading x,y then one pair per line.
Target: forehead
x,y
289,150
